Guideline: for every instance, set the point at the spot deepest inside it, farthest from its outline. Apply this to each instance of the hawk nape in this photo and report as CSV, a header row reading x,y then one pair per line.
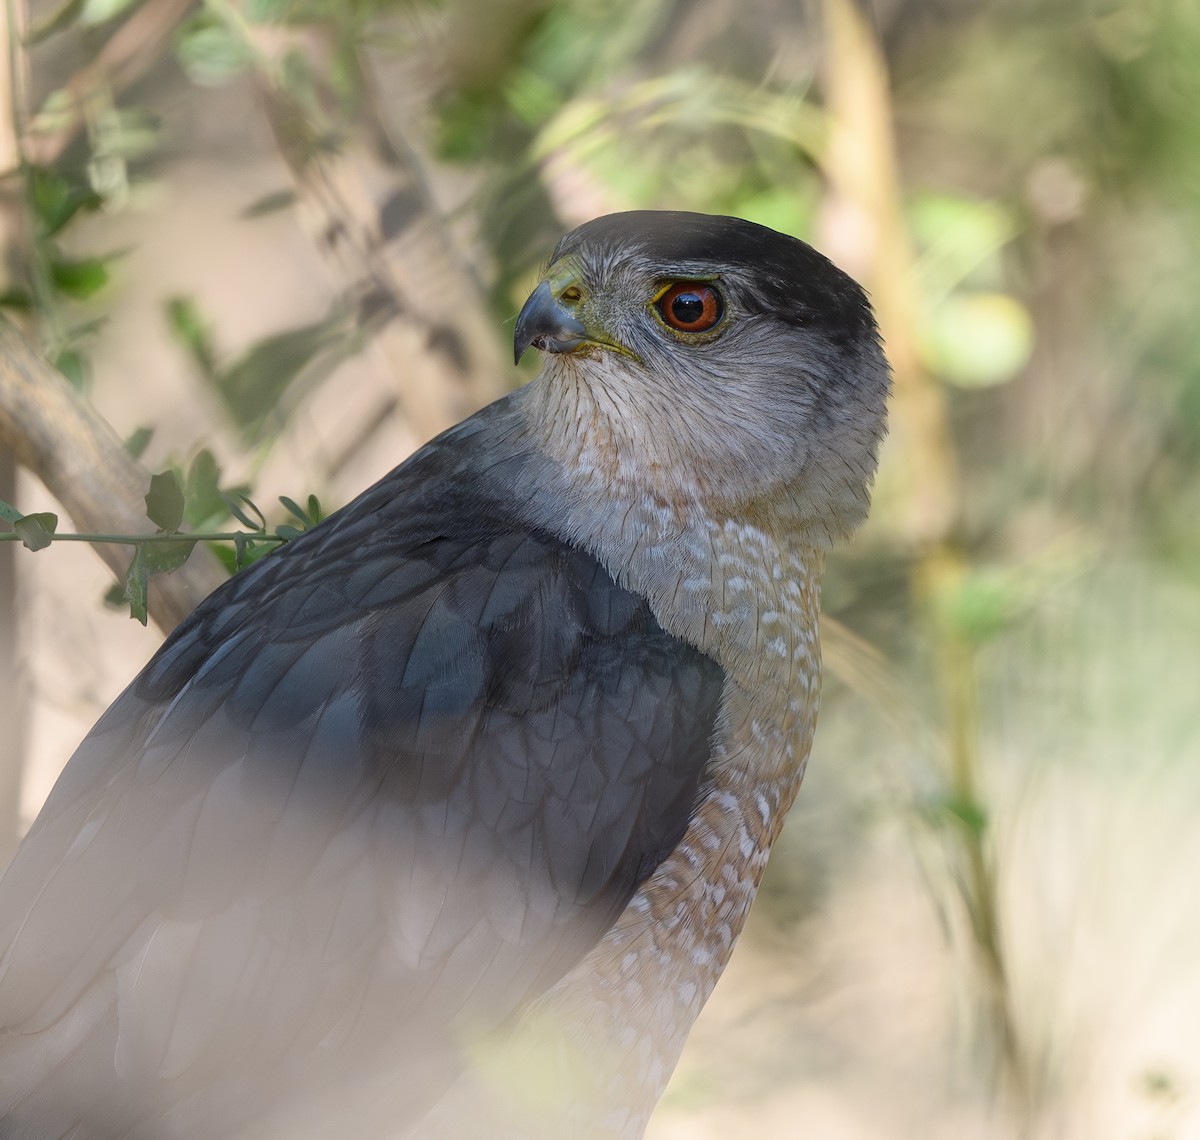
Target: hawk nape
x,y
443,820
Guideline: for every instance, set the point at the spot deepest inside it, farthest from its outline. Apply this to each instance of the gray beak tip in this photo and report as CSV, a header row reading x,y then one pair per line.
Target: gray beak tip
x,y
546,323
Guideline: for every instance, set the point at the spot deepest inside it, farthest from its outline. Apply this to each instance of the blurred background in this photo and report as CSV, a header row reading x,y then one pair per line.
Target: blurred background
x,y
278,243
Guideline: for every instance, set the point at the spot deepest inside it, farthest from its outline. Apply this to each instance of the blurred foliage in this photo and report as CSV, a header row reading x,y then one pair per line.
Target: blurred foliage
x,y
258,386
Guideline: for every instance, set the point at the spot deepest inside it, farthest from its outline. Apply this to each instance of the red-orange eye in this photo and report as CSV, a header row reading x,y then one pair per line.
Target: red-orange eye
x,y
690,306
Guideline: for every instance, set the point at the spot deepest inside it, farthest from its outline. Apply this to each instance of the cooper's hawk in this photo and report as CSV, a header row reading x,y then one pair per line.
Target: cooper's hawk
x,y
444,819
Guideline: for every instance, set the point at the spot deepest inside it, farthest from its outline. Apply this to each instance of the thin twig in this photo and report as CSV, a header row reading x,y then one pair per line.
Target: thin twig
x,y
144,539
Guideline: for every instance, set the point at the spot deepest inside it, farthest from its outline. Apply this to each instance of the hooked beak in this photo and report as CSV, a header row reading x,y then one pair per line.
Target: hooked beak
x,y
546,323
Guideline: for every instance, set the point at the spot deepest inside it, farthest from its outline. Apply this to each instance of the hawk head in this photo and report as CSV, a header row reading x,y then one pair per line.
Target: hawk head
x,y
712,358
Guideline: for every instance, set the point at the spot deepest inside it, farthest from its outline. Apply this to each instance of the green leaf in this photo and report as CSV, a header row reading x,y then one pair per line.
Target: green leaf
x,y
74,366
211,54
137,443
56,199
969,813
87,328
163,557
136,585
202,491
9,513
164,501
270,203
245,553
79,279
985,603
308,516
531,98
101,11
296,510
975,340
16,298
59,109
253,386
959,239
227,557
267,11
122,134
37,531
189,326
234,501
466,124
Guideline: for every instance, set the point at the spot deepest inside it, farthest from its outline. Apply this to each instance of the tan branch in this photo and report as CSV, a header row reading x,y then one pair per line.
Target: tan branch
x,y
861,166
58,436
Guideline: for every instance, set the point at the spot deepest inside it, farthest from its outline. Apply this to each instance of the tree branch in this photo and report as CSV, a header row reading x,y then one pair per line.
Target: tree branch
x,y
60,438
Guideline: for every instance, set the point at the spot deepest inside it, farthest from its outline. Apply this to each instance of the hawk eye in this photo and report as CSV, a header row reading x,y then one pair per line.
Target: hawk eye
x,y
690,306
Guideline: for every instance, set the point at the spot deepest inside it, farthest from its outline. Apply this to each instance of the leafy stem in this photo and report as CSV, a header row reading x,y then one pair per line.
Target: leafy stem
x,y
167,504
143,539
